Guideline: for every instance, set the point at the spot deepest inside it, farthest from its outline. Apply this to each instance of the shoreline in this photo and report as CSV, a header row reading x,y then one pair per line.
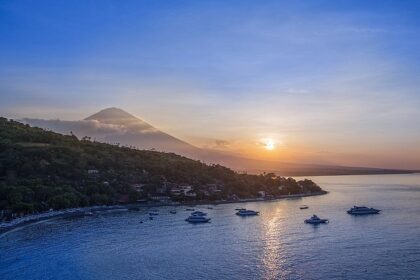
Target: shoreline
x,y
85,211
355,174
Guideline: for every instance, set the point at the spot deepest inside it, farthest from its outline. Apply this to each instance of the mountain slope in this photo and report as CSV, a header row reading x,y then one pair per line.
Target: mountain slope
x,y
113,125
138,133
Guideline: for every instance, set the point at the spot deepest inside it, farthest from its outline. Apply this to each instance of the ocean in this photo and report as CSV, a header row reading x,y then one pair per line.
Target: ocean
x,y
277,244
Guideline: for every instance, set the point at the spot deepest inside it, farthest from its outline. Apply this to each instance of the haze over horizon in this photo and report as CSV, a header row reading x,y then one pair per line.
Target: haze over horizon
x,y
312,81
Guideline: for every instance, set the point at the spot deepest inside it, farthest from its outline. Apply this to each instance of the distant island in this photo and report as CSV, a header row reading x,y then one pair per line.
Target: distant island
x,y
42,170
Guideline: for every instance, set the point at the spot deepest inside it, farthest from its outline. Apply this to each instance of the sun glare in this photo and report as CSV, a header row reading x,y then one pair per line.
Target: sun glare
x,y
269,145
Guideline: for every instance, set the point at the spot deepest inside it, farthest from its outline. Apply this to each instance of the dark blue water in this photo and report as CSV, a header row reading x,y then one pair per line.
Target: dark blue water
x,y
275,245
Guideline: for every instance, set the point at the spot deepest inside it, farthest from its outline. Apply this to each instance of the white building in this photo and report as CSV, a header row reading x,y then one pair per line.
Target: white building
x,y
163,199
138,187
182,190
262,193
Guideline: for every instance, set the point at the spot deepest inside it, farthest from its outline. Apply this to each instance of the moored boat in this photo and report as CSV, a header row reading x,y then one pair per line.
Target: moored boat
x,y
315,220
362,210
198,213
245,212
195,219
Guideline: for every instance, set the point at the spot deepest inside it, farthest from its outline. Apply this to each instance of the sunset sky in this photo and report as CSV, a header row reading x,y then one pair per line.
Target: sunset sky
x,y
334,82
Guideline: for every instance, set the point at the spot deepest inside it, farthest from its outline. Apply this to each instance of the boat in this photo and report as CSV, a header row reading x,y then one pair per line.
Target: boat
x,y
304,207
153,213
189,209
245,212
240,209
362,210
172,211
88,213
195,219
315,220
198,213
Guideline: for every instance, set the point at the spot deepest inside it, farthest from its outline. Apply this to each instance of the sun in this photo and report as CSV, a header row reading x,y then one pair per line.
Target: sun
x,y
269,144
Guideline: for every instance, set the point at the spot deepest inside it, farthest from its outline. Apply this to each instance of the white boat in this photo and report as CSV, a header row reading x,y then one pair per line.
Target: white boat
x,y
362,210
198,213
315,220
245,212
195,219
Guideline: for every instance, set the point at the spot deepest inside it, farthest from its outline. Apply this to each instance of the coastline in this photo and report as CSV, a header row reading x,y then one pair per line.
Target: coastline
x,y
83,211
353,174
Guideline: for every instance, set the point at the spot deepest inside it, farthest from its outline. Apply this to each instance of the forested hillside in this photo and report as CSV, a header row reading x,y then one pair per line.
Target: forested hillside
x,y
41,169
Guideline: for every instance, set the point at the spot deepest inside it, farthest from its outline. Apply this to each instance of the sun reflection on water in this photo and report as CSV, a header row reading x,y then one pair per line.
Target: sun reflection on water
x,y
272,254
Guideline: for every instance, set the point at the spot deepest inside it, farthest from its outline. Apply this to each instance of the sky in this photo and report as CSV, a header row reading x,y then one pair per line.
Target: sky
x,y
334,82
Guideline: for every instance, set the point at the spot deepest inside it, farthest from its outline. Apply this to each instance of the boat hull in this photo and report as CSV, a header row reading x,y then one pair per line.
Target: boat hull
x,y
197,221
246,214
363,213
316,222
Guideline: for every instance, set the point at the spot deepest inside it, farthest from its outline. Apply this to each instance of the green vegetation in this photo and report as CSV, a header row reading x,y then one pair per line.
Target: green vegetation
x,y
41,169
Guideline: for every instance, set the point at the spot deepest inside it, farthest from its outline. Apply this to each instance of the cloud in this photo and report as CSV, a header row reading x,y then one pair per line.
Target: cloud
x,y
221,144
140,135
81,128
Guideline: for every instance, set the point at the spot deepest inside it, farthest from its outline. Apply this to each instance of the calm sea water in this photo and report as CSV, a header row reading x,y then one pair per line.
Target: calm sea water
x,y
275,245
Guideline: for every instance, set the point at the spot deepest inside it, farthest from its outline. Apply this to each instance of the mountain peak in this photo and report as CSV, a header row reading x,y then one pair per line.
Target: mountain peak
x,y
137,132
112,114
120,117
